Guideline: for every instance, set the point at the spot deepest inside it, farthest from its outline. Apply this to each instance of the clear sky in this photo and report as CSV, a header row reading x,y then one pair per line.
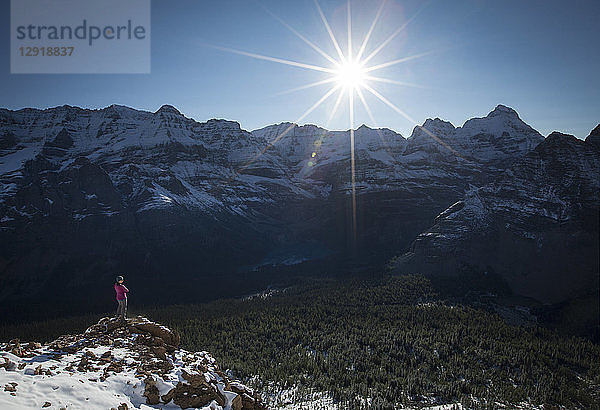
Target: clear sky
x,y
538,56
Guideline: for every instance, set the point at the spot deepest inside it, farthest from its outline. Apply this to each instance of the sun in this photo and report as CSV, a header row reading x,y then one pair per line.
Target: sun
x,y
350,74
349,71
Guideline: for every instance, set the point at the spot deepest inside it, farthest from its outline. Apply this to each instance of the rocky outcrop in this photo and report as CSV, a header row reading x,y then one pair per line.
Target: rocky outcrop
x,y
137,358
58,146
159,332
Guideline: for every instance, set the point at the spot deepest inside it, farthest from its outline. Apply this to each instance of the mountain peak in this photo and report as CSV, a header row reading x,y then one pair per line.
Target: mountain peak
x,y
503,110
437,122
558,140
223,124
559,136
436,126
168,109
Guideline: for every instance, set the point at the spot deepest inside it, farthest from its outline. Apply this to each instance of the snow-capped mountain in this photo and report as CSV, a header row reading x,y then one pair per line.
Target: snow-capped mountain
x,y
494,140
135,364
87,192
421,139
152,159
165,160
484,139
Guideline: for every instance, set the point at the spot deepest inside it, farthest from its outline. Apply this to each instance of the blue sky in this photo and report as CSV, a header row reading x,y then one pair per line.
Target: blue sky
x,y
539,57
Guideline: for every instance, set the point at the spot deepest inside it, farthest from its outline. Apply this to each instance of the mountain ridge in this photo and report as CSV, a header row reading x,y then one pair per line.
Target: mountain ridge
x,y
172,109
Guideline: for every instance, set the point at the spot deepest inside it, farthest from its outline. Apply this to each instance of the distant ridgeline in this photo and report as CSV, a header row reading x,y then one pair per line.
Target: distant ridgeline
x,y
183,207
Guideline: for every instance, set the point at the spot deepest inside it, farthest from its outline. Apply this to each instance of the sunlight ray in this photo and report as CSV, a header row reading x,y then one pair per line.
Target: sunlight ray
x,y
368,35
352,164
284,133
390,38
326,23
316,105
368,110
349,75
389,104
276,60
349,21
335,107
394,62
390,81
306,86
330,116
405,115
301,37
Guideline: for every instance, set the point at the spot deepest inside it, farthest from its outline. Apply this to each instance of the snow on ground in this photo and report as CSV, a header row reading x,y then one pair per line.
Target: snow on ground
x,y
108,366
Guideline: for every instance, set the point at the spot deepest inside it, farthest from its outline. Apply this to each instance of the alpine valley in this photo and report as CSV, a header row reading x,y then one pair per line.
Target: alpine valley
x,y
217,211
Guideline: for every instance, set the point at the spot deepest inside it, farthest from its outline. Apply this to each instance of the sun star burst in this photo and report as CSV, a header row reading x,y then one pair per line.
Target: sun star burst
x,y
350,76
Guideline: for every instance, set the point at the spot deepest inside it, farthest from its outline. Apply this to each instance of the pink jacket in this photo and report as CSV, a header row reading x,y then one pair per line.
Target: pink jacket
x,y
121,291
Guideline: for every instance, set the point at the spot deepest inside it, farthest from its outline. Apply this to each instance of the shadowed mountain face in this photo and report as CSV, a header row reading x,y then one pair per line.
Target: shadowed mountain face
x,y
196,207
536,226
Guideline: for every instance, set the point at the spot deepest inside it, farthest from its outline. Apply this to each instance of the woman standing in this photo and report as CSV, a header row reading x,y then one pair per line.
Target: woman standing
x,y
121,298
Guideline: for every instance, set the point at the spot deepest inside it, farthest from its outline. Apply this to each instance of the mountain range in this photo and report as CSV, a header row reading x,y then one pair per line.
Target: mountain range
x,y
186,207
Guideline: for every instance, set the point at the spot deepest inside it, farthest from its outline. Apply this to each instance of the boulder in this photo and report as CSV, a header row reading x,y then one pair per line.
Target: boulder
x,y
195,395
159,352
10,387
236,403
196,392
8,365
151,391
169,336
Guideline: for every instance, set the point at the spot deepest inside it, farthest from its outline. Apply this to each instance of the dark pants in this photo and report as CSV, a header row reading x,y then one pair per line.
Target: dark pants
x,y
122,308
